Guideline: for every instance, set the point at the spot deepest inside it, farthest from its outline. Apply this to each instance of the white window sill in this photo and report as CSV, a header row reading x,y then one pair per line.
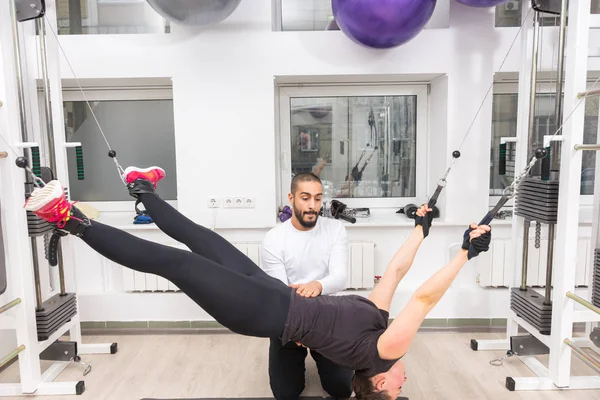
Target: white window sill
x,y
379,218
124,222
387,217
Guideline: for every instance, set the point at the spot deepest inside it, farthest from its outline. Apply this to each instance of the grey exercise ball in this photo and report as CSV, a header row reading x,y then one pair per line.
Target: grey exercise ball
x,y
195,12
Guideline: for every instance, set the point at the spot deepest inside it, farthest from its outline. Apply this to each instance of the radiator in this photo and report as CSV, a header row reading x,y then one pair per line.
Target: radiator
x,y
361,269
493,266
361,265
134,281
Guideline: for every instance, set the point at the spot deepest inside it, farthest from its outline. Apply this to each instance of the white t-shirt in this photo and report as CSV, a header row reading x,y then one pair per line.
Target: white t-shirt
x,y
319,254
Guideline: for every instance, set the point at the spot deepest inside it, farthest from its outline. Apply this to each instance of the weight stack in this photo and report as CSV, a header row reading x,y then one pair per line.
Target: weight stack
x,y
529,305
37,226
536,200
596,279
56,311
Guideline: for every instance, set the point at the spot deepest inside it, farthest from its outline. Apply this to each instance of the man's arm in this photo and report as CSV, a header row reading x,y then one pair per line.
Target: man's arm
x,y
271,260
396,340
336,280
318,169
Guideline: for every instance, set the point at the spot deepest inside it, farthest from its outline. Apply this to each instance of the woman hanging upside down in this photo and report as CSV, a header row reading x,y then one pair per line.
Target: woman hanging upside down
x,y
350,330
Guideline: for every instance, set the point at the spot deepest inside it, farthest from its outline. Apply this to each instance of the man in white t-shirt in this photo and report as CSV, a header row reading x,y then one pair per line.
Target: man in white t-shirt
x,y
310,254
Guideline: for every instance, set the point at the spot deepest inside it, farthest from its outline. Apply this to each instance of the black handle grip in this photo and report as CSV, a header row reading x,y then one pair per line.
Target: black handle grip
x,y
546,165
35,161
431,203
502,163
425,226
433,200
485,221
352,220
79,159
489,217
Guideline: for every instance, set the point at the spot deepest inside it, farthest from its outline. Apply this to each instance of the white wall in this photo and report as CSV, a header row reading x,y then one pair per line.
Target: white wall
x,y
316,14
224,109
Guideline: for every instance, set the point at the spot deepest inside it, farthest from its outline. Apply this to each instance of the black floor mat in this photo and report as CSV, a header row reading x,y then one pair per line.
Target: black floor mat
x,y
257,398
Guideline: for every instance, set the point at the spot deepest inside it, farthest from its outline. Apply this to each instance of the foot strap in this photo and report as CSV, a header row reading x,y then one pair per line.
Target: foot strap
x,y
142,216
140,186
52,247
137,209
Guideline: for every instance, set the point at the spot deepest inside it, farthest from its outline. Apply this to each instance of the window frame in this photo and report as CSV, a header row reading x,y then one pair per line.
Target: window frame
x,y
542,88
117,93
276,17
91,21
288,91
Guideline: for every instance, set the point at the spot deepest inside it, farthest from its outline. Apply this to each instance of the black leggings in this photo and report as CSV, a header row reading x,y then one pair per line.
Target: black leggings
x,y
216,275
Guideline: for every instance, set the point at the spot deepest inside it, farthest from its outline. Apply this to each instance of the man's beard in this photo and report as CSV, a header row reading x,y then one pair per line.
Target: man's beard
x,y
306,224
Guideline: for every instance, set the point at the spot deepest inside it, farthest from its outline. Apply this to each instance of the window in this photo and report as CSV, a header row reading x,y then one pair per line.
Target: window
x,y
75,17
138,125
504,125
304,15
509,14
364,142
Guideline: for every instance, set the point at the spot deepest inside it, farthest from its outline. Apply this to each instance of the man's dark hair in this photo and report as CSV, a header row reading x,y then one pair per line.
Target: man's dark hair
x,y
303,177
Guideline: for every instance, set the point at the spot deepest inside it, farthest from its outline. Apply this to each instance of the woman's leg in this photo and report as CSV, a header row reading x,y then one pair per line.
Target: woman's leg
x,y
245,304
198,239
248,305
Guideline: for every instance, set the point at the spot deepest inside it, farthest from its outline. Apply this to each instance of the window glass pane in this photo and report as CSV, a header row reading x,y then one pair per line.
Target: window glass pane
x,y
140,131
360,146
107,17
504,124
509,14
305,15
590,135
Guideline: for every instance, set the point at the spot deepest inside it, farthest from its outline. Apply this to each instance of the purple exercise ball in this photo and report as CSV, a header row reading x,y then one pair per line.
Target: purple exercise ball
x,y
482,3
382,24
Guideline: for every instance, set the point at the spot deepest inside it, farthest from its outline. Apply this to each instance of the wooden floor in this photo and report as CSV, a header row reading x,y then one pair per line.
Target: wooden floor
x,y
439,366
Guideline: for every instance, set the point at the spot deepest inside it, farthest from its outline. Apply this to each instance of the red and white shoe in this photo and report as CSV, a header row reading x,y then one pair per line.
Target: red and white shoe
x,y
50,204
152,174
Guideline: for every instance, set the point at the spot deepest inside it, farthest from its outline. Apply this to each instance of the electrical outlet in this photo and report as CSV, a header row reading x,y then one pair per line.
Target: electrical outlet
x,y
228,202
248,202
213,202
238,202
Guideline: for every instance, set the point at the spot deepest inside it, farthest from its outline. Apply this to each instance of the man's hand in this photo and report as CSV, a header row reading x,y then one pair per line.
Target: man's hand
x,y
310,289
